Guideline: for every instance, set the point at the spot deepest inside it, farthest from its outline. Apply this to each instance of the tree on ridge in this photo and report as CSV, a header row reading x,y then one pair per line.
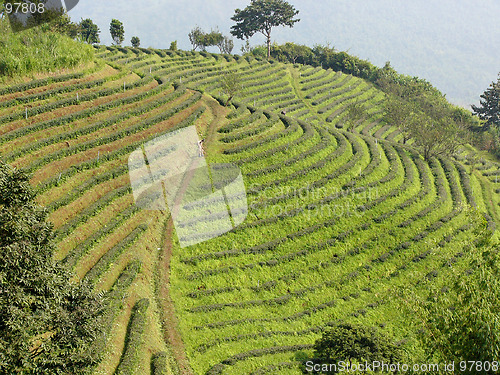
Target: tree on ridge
x,y
260,17
117,32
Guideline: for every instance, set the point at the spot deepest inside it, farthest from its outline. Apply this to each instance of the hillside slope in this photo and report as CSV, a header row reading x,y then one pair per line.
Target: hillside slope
x,y
336,220
38,51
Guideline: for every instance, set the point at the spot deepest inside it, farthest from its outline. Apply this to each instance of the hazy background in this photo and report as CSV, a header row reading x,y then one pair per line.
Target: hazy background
x,y
455,44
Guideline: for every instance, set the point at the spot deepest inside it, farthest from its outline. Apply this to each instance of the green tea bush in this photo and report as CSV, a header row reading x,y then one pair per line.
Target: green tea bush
x,y
134,340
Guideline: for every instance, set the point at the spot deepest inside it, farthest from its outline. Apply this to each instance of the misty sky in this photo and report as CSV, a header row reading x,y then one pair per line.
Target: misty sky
x,y
455,44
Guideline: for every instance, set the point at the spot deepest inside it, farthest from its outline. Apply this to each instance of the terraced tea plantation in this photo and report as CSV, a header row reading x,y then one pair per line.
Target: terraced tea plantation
x,y
337,219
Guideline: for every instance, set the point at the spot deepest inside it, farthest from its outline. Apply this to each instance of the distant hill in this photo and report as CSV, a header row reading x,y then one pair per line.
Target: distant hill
x,y
455,44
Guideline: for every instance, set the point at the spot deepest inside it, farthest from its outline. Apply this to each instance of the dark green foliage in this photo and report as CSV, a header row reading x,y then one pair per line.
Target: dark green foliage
x,y
89,31
117,31
291,52
354,344
61,24
438,135
213,38
398,113
464,325
48,324
135,41
327,58
260,17
489,108
173,46
159,364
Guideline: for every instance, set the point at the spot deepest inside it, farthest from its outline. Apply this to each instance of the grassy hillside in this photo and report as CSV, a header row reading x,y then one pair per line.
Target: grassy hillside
x,y
336,221
32,52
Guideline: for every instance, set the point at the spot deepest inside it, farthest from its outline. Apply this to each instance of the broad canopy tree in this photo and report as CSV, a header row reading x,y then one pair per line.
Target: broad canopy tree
x,y
260,17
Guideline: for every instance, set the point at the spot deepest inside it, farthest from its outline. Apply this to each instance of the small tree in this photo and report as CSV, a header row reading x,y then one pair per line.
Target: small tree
x,y
354,344
117,32
260,17
213,38
89,31
399,112
196,38
489,108
225,45
355,113
435,136
200,39
246,48
135,41
230,85
173,46
291,52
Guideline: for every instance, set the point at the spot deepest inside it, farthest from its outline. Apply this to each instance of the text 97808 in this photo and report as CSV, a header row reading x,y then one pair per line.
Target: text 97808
x,y
25,8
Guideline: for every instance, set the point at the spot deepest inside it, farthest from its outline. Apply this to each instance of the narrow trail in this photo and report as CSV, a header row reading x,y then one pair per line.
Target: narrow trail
x,y
171,333
294,81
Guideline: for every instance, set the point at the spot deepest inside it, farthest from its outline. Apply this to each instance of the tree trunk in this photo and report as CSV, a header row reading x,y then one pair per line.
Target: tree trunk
x,y
268,46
